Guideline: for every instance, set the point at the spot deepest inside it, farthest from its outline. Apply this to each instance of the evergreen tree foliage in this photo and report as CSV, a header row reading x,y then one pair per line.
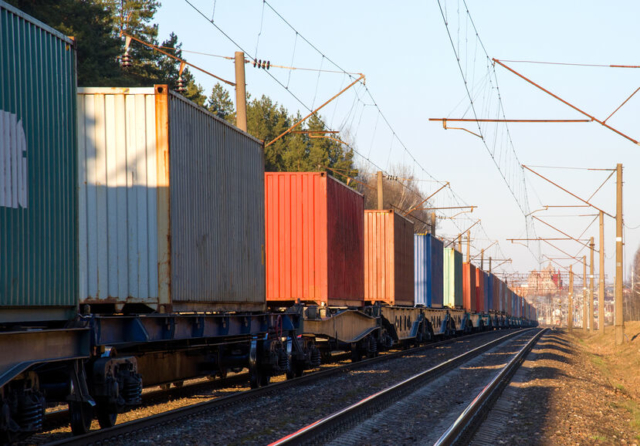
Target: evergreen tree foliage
x,y
97,26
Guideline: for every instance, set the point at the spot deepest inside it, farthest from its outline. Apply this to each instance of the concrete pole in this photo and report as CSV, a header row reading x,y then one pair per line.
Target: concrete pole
x,y
482,260
570,309
585,306
601,290
241,93
433,224
380,192
489,265
619,319
469,246
591,294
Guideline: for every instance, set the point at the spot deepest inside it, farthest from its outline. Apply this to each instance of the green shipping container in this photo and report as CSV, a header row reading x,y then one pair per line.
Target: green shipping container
x,y
452,278
38,171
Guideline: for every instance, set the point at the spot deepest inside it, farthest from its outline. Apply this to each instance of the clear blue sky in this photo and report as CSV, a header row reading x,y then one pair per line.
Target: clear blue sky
x,y
404,50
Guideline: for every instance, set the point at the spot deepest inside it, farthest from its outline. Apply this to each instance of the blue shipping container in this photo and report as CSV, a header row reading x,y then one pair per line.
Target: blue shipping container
x,y
487,291
428,277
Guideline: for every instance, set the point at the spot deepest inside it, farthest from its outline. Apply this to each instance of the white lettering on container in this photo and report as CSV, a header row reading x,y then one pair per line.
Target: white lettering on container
x,y
13,162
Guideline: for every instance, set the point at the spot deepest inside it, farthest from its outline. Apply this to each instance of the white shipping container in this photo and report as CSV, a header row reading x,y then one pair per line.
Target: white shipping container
x,y
171,204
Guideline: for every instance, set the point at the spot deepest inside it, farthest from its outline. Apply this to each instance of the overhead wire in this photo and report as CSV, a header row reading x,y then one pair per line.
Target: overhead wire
x,y
394,136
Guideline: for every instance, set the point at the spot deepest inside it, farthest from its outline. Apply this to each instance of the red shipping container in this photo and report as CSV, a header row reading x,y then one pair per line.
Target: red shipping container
x,y
469,292
314,239
479,290
388,256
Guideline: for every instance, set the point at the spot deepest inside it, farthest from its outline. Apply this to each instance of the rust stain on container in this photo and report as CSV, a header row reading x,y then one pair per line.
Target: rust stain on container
x,y
314,239
389,259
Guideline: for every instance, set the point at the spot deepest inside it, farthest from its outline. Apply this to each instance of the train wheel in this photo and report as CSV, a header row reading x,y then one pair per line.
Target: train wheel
x,y
81,415
106,416
265,379
178,384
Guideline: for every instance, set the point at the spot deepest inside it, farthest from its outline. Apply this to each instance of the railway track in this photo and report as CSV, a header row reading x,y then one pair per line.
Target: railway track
x,y
126,430
368,419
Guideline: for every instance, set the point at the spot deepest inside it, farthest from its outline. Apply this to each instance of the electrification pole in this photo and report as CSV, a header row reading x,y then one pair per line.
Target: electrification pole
x,y
591,294
380,192
619,319
433,224
482,260
570,309
601,278
469,246
489,265
241,92
585,316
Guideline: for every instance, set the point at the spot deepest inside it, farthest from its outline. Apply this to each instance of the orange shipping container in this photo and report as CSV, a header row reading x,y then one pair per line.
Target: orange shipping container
x,y
388,255
469,302
480,289
314,239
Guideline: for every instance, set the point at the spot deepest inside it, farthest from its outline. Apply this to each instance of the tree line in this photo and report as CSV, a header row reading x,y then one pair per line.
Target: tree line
x,y
98,26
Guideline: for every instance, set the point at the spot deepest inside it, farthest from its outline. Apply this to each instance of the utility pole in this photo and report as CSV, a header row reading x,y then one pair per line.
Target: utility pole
x,y
469,246
591,294
489,265
619,319
482,260
433,224
570,309
601,278
241,92
380,192
585,316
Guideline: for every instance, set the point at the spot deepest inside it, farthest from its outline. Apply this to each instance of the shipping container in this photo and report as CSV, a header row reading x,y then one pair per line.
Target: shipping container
x,y
469,292
487,291
510,301
428,270
315,239
480,290
388,257
452,278
495,293
171,204
38,176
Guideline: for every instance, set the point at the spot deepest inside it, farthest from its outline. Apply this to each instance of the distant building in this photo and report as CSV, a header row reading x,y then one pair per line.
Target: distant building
x,y
546,281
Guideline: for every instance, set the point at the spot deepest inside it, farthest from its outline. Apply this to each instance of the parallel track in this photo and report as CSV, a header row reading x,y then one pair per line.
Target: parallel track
x,y
327,428
462,430
122,431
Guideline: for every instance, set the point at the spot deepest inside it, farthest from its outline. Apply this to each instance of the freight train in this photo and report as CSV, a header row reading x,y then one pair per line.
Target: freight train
x,y
142,244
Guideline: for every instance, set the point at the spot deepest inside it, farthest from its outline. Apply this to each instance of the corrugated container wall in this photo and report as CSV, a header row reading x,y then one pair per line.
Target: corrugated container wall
x,y
314,239
480,290
487,291
509,301
38,177
171,204
469,291
452,278
495,293
428,270
388,257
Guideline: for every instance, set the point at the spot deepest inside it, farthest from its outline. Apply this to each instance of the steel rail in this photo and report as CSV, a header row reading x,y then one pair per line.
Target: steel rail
x,y
322,430
122,431
466,424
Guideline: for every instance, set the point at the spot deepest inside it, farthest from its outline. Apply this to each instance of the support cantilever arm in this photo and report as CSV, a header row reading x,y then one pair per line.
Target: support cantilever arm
x,y
565,190
593,118
314,111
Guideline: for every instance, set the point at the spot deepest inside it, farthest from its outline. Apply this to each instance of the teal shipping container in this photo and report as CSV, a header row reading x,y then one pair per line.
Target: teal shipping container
x,y
452,272
38,171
